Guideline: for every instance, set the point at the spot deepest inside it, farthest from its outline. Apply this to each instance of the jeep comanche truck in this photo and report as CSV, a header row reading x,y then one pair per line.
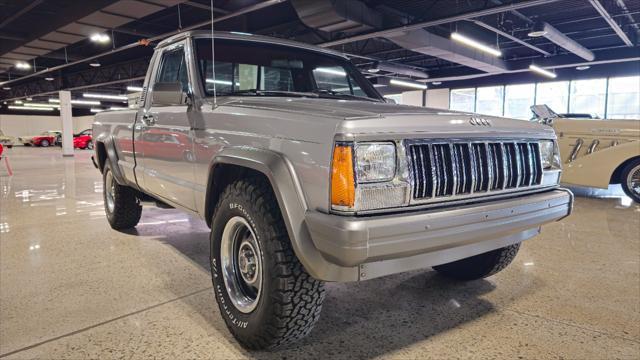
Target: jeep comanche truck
x,y
306,175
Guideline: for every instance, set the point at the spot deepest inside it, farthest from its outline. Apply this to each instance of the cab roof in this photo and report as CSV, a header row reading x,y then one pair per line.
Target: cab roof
x,y
245,37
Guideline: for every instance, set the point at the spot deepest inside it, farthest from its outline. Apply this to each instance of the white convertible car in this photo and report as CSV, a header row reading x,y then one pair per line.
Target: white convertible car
x,y
597,153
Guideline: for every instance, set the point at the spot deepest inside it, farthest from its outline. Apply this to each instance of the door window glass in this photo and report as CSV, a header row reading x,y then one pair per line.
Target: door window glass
x,y
174,68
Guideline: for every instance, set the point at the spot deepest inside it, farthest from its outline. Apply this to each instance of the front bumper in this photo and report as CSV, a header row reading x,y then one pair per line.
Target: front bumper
x,y
437,236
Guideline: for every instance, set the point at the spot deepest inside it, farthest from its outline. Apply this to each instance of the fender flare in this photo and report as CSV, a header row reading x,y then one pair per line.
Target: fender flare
x,y
285,184
112,157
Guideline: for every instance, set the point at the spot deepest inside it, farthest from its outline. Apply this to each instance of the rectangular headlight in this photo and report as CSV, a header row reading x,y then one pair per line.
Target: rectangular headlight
x,y
375,162
549,155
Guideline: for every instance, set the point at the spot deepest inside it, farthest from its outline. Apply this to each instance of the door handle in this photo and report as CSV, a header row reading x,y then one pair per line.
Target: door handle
x,y
149,119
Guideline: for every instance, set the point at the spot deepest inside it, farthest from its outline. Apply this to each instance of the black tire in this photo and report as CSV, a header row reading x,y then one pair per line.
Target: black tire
x,y
479,266
126,210
624,175
89,145
290,302
44,143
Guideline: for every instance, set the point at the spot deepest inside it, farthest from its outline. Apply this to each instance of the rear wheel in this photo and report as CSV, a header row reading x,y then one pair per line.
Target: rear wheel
x,y
44,143
631,180
265,296
90,145
121,204
480,266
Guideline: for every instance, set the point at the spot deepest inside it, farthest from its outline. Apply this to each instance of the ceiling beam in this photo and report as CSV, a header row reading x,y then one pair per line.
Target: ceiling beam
x,y
20,12
436,22
607,17
510,37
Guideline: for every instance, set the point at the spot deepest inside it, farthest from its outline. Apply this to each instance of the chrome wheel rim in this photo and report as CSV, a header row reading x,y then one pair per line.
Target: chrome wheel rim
x,y
241,263
110,190
633,180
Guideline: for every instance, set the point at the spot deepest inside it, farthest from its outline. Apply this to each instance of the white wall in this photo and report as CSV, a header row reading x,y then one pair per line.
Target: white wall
x,y
413,98
25,125
438,98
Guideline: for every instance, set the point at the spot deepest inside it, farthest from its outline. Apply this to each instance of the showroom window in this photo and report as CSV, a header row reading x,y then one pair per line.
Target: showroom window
x,y
623,101
588,97
489,100
518,100
554,94
463,99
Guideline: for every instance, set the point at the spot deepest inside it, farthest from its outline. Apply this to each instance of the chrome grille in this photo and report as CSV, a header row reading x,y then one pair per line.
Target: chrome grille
x,y
444,169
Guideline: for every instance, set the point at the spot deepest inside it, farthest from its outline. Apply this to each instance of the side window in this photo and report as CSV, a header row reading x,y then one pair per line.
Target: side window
x,y
173,68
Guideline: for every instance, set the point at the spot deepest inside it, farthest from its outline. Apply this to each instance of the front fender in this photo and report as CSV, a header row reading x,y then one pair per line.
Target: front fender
x,y
291,201
595,169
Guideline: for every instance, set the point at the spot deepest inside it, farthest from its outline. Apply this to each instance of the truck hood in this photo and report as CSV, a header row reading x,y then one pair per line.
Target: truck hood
x,y
368,118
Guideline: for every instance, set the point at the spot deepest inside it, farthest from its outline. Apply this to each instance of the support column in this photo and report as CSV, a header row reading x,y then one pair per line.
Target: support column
x,y
67,123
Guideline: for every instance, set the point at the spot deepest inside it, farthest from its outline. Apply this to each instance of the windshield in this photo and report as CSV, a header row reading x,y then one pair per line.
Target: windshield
x,y
260,69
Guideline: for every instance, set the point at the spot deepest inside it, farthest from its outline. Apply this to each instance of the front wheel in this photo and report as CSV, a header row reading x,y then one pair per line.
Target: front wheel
x,y
631,180
44,143
265,296
480,266
121,204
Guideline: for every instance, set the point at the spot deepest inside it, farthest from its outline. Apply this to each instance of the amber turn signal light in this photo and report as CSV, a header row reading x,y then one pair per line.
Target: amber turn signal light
x,y
342,179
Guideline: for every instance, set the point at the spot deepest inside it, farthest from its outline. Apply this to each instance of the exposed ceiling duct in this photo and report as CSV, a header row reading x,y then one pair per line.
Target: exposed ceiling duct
x,y
555,36
398,69
348,16
424,42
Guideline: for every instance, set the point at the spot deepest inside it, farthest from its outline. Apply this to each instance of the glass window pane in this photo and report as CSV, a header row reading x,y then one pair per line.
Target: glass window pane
x,y
462,99
517,101
624,98
588,96
555,95
489,100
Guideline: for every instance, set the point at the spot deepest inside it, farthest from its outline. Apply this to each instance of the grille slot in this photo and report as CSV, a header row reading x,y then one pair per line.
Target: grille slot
x,y
464,168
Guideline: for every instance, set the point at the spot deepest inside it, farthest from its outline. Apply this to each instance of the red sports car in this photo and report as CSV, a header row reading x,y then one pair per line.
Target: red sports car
x,y
83,140
45,139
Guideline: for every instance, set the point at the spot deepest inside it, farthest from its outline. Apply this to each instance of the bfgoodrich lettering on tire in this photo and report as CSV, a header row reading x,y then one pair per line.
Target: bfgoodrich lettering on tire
x,y
265,296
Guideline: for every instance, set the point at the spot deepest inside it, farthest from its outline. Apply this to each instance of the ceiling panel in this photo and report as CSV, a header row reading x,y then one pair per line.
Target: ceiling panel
x,y
133,8
31,51
15,56
81,29
45,44
61,37
166,3
104,20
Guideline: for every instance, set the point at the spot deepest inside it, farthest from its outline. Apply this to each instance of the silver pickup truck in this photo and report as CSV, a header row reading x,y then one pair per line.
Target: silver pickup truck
x,y
306,175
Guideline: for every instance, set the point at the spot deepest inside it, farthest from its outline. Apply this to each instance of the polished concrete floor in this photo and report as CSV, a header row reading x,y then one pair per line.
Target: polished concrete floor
x,y
70,287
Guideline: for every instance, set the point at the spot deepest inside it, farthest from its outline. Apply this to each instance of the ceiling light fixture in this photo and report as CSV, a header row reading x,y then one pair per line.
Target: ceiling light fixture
x,y
330,71
118,108
100,38
31,108
583,67
6,88
409,84
18,102
475,44
542,71
105,96
134,88
52,100
23,65
49,78
94,110
437,83
40,105
85,102
94,64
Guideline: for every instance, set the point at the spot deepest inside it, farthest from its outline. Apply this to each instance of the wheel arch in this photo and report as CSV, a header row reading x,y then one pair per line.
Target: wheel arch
x,y
281,176
616,176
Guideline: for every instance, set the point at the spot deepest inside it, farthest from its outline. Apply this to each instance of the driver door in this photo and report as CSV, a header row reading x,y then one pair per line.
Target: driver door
x,y
167,146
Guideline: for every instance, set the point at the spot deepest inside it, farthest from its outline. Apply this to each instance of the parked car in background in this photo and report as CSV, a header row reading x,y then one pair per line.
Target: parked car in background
x,y
6,141
83,140
597,153
47,138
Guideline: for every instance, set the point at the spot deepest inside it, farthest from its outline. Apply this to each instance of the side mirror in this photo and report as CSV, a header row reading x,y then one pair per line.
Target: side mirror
x,y
389,101
168,93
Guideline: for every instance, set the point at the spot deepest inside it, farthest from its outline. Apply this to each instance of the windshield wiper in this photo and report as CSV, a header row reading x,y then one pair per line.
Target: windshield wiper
x,y
331,94
257,92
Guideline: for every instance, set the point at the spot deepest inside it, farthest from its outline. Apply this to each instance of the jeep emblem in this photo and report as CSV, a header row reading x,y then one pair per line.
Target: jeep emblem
x,y
477,121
